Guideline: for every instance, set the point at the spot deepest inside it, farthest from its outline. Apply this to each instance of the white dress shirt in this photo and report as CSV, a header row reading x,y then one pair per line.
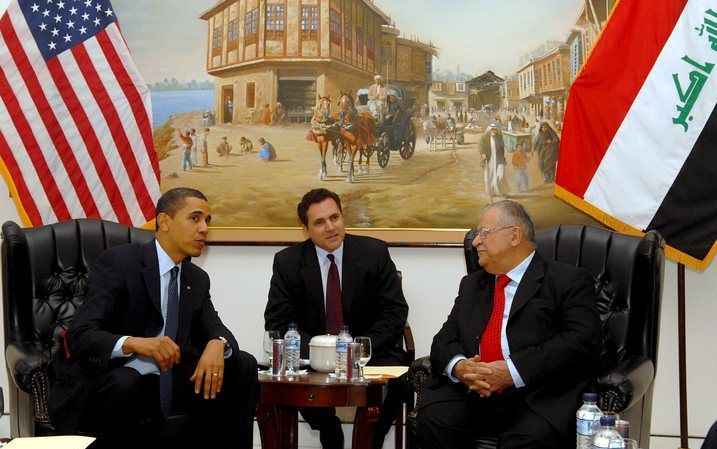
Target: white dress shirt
x,y
515,275
325,264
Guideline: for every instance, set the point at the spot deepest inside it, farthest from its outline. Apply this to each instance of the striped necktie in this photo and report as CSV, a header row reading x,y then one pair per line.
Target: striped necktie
x,y
170,330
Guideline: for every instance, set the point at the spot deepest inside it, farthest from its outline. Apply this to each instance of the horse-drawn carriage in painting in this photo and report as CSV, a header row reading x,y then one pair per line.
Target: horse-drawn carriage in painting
x,y
395,130
355,130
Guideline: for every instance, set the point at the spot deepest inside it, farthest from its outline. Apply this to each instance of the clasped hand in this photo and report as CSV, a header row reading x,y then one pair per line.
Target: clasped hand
x,y
164,351
483,378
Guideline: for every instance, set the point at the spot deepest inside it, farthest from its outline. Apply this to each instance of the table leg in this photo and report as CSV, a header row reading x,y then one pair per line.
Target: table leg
x,y
278,426
364,424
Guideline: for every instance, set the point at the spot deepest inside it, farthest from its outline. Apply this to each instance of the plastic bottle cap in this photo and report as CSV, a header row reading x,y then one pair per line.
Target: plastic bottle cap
x,y
607,421
589,397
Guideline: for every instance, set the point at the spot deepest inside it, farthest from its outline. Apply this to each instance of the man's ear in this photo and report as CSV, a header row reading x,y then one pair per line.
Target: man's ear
x,y
163,222
516,236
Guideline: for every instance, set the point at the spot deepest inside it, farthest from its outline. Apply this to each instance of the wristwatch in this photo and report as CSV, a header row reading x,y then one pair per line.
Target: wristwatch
x,y
226,343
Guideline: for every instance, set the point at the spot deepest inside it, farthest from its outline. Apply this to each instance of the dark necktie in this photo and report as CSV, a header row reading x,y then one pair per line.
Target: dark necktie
x,y
170,330
334,310
490,347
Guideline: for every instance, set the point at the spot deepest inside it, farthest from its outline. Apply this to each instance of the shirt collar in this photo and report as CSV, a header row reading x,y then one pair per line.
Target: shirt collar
x,y
322,253
516,274
165,262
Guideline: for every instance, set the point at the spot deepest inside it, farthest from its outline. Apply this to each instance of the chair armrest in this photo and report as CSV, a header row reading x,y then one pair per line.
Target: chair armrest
x,y
419,370
625,384
24,362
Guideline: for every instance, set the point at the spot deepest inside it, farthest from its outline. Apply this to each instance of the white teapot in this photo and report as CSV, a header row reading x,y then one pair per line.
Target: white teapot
x,y
322,353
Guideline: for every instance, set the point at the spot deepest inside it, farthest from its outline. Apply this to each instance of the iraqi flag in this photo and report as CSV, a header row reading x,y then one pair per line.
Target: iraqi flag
x,y
639,145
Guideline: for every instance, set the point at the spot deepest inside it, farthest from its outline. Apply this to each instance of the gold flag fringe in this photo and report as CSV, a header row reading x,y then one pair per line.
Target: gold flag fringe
x,y
13,193
620,226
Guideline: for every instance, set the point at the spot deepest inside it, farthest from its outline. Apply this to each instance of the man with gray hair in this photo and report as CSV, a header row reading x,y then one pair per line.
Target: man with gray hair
x,y
518,348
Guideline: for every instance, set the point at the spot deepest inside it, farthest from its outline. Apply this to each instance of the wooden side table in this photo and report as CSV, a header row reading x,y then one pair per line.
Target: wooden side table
x,y
280,398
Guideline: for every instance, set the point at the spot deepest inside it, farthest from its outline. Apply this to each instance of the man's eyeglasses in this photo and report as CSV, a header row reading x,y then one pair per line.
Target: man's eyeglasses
x,y
483,232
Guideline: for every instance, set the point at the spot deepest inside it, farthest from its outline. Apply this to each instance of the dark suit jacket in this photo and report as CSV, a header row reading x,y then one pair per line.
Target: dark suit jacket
x,y
123,298
372,299
553,333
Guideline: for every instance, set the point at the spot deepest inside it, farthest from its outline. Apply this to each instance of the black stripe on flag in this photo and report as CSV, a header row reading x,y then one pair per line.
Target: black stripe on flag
x,y
687,217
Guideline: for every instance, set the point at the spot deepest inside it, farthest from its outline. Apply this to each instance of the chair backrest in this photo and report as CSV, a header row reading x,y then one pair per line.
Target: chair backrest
x,y
628,273
44,275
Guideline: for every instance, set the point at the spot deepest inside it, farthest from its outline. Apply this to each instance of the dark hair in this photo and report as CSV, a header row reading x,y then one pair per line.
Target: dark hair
x,y
174,199
312,197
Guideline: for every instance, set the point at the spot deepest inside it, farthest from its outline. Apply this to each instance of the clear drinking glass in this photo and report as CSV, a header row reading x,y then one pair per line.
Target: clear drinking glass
x,y
365,353
269,337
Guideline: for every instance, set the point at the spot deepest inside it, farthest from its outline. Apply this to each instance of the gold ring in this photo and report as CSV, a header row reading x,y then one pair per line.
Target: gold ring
x,y
215,374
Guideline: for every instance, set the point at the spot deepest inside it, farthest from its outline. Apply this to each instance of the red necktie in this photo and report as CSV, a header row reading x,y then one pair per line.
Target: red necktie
x,y
490,348
334,310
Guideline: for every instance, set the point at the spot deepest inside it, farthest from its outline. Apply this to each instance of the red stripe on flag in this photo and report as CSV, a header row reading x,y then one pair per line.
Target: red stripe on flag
x,y
601,96
116,127
25,198
92,143
33,149
49,120
133,97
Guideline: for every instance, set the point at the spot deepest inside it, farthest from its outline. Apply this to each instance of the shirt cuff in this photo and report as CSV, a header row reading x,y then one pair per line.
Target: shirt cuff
x,y
117,350
517,380
449,368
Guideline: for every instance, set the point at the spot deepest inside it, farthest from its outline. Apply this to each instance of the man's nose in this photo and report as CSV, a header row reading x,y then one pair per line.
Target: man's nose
x,y
476,241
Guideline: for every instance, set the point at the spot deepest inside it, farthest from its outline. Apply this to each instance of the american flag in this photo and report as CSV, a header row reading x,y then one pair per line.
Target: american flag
x,y
75,115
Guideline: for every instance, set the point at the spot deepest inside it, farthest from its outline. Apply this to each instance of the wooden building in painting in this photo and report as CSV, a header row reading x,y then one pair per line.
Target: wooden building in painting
x,y
289,51
408,62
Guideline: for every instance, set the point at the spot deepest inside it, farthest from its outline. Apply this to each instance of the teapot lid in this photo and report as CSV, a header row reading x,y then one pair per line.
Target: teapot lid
x,y
323,340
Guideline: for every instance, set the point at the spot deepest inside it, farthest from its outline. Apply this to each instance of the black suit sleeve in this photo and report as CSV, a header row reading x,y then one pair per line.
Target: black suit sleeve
x,y
279,311
447,342
576,344
88,336
393,314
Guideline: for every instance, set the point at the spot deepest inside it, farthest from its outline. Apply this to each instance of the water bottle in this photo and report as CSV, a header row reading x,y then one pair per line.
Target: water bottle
x,y
606,436
292,340
586,421
342,342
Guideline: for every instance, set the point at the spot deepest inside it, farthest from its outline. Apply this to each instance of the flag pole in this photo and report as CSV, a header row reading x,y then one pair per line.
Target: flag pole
x,y
682,349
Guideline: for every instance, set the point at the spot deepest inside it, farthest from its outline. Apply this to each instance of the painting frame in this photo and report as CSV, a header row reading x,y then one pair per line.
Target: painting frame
x,y
285,236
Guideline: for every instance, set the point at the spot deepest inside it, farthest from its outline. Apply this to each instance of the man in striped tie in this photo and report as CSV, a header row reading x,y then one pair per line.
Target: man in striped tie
x,y
147,342
334,279
518,348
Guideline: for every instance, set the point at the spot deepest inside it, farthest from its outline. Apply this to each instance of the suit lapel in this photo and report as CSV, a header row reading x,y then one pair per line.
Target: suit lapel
x,y
529,285
150,273
350,267
311,274
479,312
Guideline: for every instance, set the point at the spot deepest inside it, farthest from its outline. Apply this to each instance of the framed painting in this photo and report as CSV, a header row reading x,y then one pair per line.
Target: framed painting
x,y
424,110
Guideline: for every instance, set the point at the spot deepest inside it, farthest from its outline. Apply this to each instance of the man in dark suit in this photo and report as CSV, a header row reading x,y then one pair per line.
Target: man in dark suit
x,y
335,279
518,348
133,344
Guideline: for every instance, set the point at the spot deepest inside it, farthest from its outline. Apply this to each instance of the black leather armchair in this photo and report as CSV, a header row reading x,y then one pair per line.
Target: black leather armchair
x,y
628,272
44,278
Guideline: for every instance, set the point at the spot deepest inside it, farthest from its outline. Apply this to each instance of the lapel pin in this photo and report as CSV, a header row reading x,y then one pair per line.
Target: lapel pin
x,y
189,287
